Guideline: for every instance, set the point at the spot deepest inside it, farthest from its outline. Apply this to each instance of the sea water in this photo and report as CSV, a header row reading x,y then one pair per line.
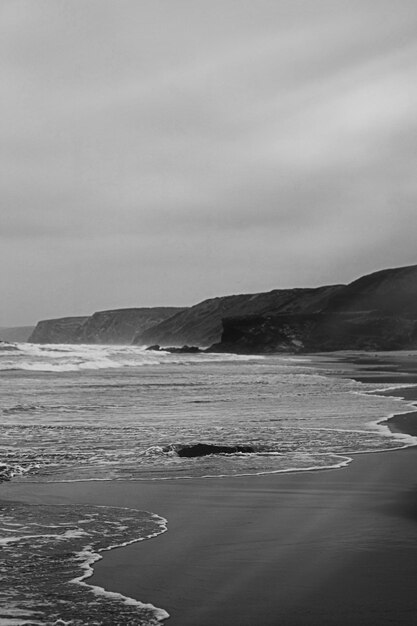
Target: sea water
x,y
70,413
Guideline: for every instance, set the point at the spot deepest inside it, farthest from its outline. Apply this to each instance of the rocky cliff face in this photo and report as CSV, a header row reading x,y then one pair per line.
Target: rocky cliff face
x,y
118,326
375,312
318,332
201,325
61,330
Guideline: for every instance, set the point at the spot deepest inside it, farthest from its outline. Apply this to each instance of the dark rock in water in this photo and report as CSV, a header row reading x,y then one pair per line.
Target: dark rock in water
x,y
184,350
204,449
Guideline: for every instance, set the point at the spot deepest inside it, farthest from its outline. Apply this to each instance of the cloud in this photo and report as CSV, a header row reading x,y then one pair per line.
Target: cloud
x,y
222,147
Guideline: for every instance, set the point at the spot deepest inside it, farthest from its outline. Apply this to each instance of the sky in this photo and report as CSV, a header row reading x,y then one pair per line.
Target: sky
x,y
160,152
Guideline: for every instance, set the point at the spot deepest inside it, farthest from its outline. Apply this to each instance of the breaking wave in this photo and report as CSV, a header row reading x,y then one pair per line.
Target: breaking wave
x,y
8,347
139,418
73,358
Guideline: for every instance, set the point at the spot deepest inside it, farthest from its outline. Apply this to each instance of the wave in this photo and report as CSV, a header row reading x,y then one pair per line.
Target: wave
x,y
22,408
18,409
10,470
60,367
134,425
8,347
65,358
62,543
381,425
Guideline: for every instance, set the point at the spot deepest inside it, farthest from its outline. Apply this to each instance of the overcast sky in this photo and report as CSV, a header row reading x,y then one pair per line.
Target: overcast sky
x,y
163,151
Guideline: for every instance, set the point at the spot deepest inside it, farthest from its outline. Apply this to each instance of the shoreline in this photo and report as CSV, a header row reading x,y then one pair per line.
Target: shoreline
x,y
403,388
298,548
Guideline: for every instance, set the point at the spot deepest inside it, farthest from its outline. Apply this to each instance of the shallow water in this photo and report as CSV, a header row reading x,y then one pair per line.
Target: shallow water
x,y
97,412
46,556
107,413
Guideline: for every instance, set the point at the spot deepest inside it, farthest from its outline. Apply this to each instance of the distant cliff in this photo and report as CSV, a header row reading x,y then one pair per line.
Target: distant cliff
x,y
118,326
201,324
16,333
375,312
60,330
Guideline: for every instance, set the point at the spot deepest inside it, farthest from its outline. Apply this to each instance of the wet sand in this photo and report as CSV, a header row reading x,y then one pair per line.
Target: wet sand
x,y
330,547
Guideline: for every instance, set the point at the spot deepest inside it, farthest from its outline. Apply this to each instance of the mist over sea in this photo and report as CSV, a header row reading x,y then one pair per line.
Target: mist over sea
x,y
71,413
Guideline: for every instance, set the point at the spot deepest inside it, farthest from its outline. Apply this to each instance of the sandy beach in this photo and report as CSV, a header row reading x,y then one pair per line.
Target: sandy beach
x,y
328,548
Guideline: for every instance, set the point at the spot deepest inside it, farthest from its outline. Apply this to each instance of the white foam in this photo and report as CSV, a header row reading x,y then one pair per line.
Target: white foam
x,y
14,618
88,557
381,425
72,358
69,534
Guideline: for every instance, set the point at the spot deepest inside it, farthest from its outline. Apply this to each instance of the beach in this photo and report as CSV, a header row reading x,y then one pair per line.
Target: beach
x,y
328,547
208,321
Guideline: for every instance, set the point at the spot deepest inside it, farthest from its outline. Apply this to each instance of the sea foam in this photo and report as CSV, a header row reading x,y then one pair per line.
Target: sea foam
x,y
63,561
74,358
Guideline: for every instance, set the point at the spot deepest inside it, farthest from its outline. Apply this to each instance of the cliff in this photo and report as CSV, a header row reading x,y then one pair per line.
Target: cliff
x,y
375,312
61,330
317,332
16,333
117,326
390,291
201,324
120,326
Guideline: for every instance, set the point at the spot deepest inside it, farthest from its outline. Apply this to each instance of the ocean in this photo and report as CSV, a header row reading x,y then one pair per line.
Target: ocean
x,y
72,413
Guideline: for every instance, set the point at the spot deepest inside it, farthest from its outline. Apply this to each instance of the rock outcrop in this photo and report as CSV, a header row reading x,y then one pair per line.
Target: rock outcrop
x,y
205,449
174,350
318,332
60,330
201,325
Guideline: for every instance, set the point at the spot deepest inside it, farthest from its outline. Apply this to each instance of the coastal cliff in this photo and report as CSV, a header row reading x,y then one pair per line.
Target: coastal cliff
x,y
375,312
117,326
201,324
317,332
60,330
120,326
